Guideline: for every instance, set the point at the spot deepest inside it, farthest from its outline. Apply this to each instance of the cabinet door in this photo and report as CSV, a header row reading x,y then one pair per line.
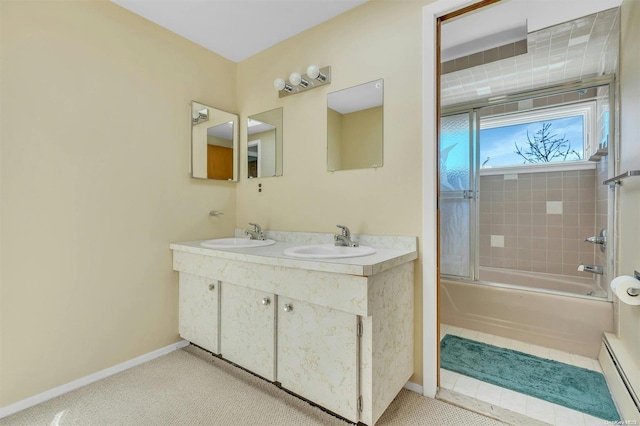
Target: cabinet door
x,y
247,329
198,311
318,355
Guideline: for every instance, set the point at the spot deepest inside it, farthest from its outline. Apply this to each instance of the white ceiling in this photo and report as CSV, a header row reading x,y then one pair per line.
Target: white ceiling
x,y
574,50
226,131
238,29
476,31
357,98
255,126
223,131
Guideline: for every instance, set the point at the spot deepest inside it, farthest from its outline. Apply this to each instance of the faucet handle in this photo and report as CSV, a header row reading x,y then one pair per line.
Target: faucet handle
x,y
256,227
345,230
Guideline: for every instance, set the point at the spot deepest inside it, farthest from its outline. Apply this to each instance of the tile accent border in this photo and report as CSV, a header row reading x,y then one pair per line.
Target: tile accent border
x,y
508,50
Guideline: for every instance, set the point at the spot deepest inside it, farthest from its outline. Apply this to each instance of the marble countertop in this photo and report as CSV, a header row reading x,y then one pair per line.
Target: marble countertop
x,y
390,252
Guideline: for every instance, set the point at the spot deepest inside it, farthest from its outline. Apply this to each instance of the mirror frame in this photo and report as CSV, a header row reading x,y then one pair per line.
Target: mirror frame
x,y
214,117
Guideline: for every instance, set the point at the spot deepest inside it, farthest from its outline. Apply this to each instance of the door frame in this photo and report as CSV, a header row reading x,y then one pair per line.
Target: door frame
x,y
257,143
430,122
432,15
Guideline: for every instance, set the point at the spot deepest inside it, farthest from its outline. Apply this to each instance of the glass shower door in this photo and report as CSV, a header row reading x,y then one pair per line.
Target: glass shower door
x,y
457,195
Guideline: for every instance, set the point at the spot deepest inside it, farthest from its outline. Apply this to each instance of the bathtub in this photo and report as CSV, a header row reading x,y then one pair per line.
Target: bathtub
x,y
582,286
571,324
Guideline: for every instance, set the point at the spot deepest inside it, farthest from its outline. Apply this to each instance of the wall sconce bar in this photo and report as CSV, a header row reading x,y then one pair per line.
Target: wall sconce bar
x,y
297,83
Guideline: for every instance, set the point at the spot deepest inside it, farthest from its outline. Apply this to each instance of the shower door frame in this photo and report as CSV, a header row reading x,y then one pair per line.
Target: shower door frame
x,y
470,194
472,109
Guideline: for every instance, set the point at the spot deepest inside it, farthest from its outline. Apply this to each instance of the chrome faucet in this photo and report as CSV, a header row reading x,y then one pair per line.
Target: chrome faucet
x,y
256,234
599,239
594,269
344,238
595,240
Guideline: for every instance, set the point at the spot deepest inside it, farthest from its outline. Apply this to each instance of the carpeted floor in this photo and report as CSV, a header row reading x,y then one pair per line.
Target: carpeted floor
x,y
191,387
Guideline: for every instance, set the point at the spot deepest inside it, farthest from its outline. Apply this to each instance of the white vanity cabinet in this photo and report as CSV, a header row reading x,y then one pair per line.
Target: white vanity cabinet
x,y
318,355
338,333
247,327
198,311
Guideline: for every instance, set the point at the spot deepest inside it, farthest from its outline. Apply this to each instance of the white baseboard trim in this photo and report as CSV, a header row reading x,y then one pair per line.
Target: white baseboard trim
x,y
61,390
413,387
616,362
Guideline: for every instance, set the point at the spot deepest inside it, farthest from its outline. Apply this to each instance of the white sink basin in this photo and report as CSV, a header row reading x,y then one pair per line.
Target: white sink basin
x,y
225,243
327,251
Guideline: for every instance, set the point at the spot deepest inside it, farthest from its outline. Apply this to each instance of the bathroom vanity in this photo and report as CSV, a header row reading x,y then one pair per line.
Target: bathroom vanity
x,y
338,332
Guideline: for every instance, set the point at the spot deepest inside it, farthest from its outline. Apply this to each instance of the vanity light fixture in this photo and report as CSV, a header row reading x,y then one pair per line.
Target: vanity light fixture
x,y
281,85
296,79
314,72
201,117
315,77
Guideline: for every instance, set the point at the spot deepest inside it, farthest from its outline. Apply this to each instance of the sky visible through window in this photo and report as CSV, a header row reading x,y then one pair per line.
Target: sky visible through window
x,y
498,143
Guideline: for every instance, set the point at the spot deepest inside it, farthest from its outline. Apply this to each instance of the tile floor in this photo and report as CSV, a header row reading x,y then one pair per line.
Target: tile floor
x,y
532,407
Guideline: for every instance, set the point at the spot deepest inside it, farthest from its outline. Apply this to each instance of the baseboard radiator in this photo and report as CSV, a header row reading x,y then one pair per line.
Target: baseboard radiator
x,y
614,360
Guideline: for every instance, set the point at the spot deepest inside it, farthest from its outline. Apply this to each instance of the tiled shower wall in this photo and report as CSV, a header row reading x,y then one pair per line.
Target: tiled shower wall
x,y
538,221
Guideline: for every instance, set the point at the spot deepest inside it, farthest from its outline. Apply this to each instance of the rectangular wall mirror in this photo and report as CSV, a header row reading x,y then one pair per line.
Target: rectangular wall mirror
x,y
354,127
264,144
214,143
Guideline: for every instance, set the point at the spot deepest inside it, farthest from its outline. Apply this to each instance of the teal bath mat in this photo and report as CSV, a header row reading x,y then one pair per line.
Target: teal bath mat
x,y
572,387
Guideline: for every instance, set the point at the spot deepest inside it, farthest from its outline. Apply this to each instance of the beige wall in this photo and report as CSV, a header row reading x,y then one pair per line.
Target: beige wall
x,y
362,139
387,200
2,298
354,140
334,140
95,137
629,192
215,140
199,150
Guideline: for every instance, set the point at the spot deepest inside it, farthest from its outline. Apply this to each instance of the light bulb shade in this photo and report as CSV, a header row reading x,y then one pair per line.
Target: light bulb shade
x,y
313,71
278,83
295,78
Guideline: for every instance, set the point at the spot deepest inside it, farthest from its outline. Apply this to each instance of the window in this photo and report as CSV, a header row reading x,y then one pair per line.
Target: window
x,y
552,135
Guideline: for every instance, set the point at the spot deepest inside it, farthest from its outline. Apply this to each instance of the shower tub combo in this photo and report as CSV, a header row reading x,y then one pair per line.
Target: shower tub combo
x,y
513,238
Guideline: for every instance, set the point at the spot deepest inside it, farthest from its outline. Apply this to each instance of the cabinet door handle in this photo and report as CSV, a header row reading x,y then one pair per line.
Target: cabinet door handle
x,y
266,301
212,286
288,307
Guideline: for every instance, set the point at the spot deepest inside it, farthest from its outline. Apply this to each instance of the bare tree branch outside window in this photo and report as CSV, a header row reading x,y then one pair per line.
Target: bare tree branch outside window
x,y
546,147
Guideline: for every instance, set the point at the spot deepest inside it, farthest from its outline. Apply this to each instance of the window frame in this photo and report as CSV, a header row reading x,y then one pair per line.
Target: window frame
x,y
586,109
